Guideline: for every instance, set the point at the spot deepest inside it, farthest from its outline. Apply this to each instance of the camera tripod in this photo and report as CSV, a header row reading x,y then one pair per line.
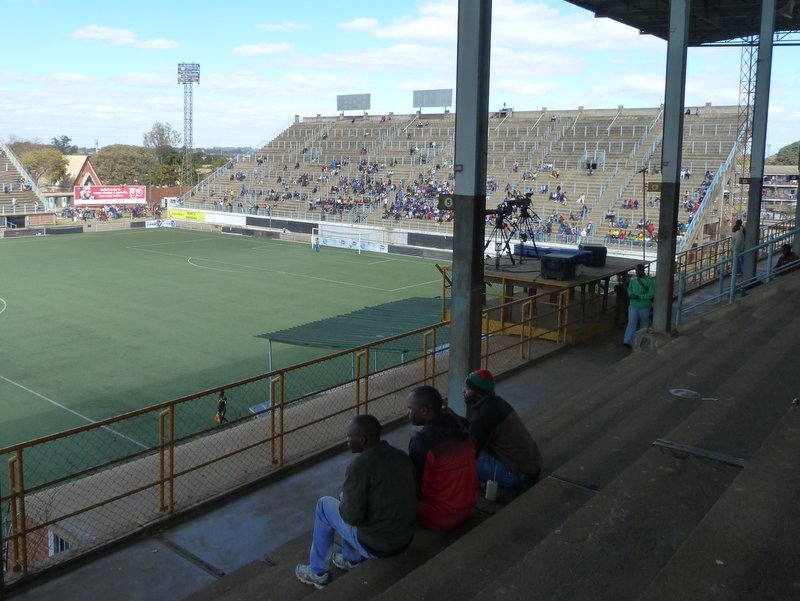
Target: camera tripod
x,y
501,240
524,229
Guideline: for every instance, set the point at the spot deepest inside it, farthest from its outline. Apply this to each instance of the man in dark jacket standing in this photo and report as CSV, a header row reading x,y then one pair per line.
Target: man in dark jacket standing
x,y
507,452
375,514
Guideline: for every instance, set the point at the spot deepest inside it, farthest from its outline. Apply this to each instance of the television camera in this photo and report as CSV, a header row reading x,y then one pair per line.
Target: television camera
x,y
512,216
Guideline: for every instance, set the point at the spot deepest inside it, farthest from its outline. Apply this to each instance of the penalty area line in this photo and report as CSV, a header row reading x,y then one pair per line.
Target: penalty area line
x,y
5,305
80,415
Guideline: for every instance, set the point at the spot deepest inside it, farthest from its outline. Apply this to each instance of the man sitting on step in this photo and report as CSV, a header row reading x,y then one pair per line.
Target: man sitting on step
x,y
444,457
507,453
375,514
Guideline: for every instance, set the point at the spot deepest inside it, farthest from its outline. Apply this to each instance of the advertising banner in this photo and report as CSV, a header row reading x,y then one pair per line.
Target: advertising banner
x,y
152,223
364,245
186,215
110,195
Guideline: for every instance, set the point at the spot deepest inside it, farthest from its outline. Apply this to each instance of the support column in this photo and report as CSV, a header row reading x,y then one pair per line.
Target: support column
x,y
758,148
472,122
671,163
796,241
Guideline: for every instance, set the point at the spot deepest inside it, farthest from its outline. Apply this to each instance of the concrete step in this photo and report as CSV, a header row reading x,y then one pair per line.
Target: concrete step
x,y
747,545
273,579
484,552
269,580
231,581
590,437
615,545
749,396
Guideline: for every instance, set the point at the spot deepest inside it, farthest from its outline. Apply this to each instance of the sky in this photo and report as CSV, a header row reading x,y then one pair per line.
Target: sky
x,y
103,72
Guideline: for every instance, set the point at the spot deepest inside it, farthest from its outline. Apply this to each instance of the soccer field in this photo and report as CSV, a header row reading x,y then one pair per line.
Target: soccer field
x,y
95,325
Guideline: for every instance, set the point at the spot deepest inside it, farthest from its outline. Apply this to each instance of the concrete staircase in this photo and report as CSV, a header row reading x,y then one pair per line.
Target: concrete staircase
x,y
649,494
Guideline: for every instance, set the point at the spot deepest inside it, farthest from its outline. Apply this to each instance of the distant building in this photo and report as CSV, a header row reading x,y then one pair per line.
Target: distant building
x,y
79,173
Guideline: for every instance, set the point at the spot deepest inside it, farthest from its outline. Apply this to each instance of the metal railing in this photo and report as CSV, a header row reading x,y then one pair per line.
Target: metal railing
x,y
716,183
34,188
74,491
727,272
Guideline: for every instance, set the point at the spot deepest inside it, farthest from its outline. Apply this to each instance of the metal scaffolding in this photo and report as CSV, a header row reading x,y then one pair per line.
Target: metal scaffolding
x,y
747,90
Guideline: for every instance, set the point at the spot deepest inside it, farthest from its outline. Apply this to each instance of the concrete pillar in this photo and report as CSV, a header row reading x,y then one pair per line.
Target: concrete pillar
x,y
472,122
671,163
758,146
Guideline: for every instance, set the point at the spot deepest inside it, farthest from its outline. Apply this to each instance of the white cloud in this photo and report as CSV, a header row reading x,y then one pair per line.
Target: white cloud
x,y
285,26
158,44
118,37
261,49
361,24
68,78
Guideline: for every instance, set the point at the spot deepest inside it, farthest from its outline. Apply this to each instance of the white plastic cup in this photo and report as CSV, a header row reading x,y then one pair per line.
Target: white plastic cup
x,y
491,490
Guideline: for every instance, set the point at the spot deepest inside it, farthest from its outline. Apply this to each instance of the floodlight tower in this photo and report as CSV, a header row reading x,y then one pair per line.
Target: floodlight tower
x,y
188,73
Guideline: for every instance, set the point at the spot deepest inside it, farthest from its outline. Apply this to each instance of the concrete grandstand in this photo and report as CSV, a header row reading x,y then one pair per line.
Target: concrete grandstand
x,y
351,169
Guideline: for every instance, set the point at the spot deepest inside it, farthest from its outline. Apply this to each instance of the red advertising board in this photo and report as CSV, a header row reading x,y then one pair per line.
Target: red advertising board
x,y
110,195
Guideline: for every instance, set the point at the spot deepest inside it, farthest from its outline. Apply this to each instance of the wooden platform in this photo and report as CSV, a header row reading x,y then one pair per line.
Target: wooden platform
x,y
583,301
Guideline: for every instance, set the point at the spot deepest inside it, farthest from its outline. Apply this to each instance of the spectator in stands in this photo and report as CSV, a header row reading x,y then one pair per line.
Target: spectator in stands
x,y
375,513
788,261
444,457
507,452
641,290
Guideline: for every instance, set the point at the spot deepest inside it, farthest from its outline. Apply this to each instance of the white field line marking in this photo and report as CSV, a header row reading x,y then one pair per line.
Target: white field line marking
x,y
5,305
286,273
80,415
189,261
413,286
384,261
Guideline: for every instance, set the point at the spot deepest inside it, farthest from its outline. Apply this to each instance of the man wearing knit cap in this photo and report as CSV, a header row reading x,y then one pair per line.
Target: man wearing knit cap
x,y
506,451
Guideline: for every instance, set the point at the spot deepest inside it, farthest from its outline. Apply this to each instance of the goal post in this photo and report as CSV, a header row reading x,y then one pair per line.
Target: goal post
x,y
348,238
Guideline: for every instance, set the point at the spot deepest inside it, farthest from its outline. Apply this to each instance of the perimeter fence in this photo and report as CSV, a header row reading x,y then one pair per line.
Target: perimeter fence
x,y
75,491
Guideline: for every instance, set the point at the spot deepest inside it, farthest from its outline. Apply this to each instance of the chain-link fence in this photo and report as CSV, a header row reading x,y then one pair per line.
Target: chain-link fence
x,y
74,491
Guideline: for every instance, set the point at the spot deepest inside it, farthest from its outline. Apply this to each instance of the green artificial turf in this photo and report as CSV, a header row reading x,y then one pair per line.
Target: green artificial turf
x,y
99,324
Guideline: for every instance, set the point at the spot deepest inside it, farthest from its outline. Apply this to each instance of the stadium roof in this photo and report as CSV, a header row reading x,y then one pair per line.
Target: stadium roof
x,y
710,20
368,326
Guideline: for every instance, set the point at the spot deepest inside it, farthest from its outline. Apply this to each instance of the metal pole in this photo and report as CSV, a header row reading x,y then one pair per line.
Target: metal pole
x,y
472,122
758,147
644,212
796,239
671,163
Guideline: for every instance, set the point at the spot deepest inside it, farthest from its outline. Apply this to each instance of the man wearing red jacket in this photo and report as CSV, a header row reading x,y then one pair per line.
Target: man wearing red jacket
x,y
444,457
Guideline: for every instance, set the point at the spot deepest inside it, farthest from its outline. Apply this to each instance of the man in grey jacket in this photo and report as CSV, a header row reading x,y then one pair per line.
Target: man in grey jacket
x,y
375,515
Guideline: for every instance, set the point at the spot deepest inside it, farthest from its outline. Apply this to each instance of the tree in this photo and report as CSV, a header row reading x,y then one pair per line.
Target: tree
x,y
162,138
63,144
46,164
788,155
120,164
20,147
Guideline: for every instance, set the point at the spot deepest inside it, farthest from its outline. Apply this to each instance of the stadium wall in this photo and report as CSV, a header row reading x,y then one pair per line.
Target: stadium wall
x,y
418,244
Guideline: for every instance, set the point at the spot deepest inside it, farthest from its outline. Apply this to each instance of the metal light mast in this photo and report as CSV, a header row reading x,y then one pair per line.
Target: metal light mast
x,y
747,91
188,73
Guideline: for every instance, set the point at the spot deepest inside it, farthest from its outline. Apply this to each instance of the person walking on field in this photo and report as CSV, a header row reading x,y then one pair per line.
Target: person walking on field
x,y
222,408
641,290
